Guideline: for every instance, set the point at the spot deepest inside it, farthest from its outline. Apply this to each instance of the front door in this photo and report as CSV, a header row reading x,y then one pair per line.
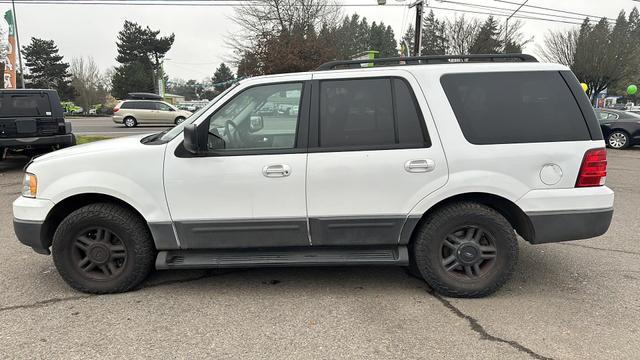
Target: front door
x,y
251,192
164,113
373,155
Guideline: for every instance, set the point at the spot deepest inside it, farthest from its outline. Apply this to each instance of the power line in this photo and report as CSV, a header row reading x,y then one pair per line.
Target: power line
x,y
510,10
552,9
233,3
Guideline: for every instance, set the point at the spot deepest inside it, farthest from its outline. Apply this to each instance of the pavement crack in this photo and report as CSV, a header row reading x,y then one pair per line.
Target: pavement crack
x,y
475,325
43,303
46,302
601,249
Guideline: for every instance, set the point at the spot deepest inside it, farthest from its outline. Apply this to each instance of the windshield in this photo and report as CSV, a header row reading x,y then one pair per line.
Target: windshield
x,y
178,128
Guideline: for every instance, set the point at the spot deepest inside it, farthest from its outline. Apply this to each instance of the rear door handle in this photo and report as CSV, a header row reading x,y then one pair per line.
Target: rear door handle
x,y
420,165
280,170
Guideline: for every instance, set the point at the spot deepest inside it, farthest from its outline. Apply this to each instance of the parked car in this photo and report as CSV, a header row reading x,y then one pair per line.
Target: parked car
x,y
32,121
134,112
621,129
406,164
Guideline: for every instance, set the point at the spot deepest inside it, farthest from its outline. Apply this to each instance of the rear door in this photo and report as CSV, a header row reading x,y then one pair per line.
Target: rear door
x,y
145,111
373,154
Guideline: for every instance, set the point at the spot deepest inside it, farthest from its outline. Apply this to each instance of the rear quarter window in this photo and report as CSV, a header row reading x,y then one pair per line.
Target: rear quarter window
x,y
515,107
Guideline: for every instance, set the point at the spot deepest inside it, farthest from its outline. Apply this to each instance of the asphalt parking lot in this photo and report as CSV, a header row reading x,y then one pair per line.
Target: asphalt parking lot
x,y
571,300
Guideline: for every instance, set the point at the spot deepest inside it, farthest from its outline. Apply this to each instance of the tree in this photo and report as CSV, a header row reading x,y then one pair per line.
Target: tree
x,y
45,67
602,56
222,77
88,83
144,48
408,39
434,38
461,35
487,40
132,77
560,47
280,35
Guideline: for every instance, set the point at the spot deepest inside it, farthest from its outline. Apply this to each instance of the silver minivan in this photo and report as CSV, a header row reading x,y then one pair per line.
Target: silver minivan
x,y
134,112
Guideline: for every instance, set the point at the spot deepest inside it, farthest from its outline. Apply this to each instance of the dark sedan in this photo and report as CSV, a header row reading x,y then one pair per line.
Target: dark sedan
x,y
621,129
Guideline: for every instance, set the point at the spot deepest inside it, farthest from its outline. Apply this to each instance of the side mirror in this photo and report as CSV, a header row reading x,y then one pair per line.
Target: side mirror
x,y
195,141
256,123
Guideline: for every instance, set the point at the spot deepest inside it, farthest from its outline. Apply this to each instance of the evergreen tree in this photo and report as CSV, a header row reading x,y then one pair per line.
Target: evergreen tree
x,y
487,41
408,40
46,70
144,48
131,77
223,74
434,39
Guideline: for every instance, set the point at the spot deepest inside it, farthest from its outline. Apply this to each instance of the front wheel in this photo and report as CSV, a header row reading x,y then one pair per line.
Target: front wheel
x,y
179,120
618,140
103,248
130,122
465,250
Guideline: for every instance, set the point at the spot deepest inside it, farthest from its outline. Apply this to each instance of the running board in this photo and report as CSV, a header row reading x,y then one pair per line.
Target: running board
x,y
199,259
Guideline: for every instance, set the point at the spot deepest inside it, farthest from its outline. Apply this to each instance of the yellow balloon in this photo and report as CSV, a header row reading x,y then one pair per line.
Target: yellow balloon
x,y
584,87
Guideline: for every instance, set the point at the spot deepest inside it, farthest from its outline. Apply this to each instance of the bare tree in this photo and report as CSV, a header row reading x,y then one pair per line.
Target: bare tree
x,y
559,47
461,33
88,82
261,21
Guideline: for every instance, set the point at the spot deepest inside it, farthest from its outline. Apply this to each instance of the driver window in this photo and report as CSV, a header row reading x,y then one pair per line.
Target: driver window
x,y
261,117
162,107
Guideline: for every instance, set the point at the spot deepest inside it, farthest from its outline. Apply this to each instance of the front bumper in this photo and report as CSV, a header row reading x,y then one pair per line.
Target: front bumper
x,y
31,234
556,226
28,222
33,142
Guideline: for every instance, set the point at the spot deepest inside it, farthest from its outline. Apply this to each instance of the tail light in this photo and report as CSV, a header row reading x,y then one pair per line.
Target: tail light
x,y
593,170
116,109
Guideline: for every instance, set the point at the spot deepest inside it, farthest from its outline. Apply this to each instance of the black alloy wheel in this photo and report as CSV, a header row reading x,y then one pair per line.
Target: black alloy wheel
x,y
99,254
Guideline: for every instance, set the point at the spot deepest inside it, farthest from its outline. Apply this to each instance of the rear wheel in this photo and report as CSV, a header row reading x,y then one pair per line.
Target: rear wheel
x,y
130,122
465,250
103,248
3,153
618,140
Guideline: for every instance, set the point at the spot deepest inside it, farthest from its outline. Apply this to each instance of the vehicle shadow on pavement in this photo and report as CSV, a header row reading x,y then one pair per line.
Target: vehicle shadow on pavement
x,y
13,163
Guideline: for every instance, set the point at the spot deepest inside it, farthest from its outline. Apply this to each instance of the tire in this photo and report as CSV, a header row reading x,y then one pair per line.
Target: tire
x,y
130,121
92,261
179,119
3,153
452,233
618,140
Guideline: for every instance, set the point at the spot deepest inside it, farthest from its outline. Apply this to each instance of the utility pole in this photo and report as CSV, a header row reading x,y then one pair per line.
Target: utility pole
x,y
15,24
506,25
419,4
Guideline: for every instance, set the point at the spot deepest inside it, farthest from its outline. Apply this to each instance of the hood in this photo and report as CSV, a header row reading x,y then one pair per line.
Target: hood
x,y
122,144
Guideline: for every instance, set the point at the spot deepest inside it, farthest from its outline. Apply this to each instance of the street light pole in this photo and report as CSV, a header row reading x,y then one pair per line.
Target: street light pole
x,y
15,25
506,24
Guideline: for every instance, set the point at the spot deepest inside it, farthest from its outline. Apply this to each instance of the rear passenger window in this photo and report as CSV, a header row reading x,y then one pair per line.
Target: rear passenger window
x,y
369,113
515,107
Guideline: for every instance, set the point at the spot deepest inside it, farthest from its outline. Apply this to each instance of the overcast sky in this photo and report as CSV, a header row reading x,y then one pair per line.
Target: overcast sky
x,y
90,30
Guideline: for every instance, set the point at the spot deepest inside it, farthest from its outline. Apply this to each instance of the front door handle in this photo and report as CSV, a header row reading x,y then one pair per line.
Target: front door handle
x,y
280,170
419,166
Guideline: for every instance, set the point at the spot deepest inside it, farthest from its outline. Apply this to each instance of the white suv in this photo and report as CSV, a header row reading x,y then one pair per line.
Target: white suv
x,y
433,163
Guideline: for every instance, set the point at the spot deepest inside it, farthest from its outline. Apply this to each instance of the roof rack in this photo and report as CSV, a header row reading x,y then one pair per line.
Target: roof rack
x,y
430,59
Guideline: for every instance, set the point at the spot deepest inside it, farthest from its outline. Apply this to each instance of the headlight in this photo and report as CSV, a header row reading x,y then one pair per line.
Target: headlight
x,y
29,185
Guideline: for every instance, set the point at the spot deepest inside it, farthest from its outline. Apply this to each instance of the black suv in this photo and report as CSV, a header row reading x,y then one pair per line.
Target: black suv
x,y
32,120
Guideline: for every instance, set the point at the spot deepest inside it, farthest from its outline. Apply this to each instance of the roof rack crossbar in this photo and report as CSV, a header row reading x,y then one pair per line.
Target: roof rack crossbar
x,y
430,59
